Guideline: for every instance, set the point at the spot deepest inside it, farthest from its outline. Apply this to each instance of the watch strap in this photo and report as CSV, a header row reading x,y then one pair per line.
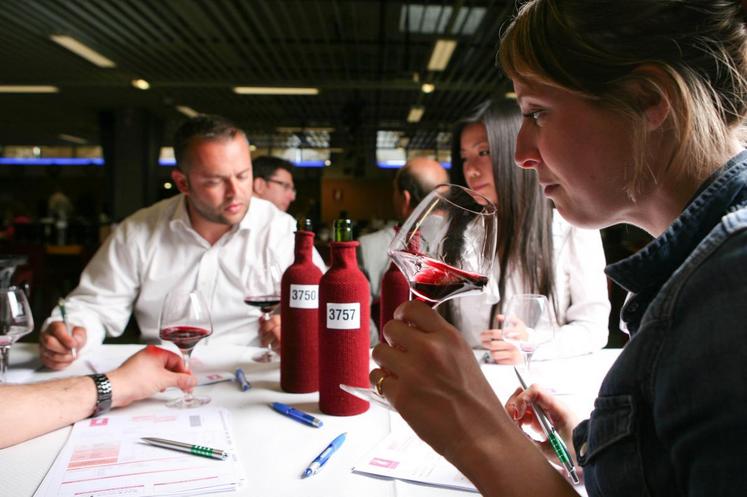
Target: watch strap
x,y
103,394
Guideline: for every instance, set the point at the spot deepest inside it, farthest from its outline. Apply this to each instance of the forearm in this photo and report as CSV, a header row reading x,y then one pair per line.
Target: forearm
x,y
63,402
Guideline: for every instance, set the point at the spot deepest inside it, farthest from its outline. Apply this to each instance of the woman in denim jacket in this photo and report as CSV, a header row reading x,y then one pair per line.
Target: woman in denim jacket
x,y
633,112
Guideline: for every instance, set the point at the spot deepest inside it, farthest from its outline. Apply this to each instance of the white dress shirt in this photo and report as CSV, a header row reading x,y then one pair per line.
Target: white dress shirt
x,y
156,250
581,290
374,257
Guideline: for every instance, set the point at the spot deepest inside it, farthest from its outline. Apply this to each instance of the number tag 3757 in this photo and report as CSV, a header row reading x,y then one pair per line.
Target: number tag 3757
x,y
304,296
345,316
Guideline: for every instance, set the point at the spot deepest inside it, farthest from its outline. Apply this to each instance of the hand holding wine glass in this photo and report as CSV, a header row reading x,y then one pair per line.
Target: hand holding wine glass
x,y
445,249
15,321
185,320
262,290
527,324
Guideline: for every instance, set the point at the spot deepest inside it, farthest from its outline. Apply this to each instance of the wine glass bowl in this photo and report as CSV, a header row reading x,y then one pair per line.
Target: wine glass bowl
x,y
184,321
15,321
446,247
262,291
527,324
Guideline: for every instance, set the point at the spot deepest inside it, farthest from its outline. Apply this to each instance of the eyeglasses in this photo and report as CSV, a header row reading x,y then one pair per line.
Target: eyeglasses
x,y
288,187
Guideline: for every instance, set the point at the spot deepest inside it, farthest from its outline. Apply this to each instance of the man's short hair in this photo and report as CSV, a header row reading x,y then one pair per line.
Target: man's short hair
x,y
203,127
266,165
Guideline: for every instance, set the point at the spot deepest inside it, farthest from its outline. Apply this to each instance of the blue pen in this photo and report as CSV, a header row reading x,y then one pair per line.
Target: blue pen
x,y
299,416
322,458
243,382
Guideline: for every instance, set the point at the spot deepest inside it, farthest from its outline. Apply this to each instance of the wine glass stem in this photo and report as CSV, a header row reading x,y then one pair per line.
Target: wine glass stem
x,y
186,356
527,360
4,362
266,316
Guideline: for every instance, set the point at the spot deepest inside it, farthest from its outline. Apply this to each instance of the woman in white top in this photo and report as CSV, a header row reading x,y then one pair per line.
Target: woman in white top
x,y
537,250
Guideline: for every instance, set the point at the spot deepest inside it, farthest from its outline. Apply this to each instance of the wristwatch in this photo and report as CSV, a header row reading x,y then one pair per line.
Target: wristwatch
x,y
103,394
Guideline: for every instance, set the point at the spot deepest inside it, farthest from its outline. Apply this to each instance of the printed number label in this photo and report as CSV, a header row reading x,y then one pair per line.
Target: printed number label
x,y
304,296
344,316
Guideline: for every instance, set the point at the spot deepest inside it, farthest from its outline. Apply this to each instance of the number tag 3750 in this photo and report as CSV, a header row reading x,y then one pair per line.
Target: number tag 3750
x,y
345,316
304,296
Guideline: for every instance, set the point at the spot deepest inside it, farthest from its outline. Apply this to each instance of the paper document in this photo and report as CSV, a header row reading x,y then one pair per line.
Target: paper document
x,y
104,457
404,456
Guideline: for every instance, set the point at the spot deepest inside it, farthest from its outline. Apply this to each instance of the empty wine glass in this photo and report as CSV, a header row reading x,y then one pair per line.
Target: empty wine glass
x,y
446,247
15,321
527,324
262,290
185,320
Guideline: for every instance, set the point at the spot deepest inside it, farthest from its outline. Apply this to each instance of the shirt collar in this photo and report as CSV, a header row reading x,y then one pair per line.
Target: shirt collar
x,y
662,256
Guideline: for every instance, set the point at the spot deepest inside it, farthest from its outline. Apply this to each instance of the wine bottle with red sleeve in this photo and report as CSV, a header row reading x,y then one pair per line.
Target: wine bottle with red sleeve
x,y
344,314
394,290
299,317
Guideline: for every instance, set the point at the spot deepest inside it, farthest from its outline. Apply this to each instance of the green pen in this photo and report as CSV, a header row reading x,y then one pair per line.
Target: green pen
x,y
558,446
197,450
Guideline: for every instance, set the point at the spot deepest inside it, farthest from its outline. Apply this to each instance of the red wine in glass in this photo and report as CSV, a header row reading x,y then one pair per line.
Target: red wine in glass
x,y
433,281
184,337
185,320
267,304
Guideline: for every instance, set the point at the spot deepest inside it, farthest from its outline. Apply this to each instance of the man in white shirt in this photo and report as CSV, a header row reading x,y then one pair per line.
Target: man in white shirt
x,y
273,181
412,182
213,237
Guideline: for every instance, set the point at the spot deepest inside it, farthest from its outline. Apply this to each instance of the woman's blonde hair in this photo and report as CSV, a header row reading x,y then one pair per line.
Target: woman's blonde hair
x,y
597,48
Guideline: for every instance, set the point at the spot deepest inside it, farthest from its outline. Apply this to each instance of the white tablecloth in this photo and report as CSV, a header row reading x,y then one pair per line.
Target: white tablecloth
x,y
273,448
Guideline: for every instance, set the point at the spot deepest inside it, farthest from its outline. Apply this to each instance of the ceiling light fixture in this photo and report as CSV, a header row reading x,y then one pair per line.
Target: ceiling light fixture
x,y
82,50
72,139
427,88
274,90
187,111
140,84
416,113
28,89
510,95
441,54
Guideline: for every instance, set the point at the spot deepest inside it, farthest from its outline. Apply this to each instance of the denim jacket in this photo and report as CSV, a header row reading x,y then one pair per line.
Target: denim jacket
x,y
671,415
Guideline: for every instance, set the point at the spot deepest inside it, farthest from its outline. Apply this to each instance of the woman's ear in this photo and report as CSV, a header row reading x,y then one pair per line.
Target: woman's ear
x,y
654,89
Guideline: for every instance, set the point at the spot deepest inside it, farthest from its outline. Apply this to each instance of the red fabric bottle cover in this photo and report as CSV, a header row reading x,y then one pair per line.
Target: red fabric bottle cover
x,y
394,291
394,287
299,311
344,314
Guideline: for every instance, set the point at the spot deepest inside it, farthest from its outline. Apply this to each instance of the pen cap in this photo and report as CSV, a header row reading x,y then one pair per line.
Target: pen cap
x,y
299,317
344,317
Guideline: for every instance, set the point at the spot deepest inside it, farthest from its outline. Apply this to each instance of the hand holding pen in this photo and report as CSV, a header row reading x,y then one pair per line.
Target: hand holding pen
x,y
63,313
58,341
517,407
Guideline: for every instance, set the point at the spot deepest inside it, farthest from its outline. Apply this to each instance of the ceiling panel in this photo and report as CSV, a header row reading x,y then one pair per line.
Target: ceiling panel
x,y
367,60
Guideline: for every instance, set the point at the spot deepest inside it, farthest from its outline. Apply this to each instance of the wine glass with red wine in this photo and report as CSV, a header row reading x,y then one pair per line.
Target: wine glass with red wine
x,y
262,291
446,247
185,320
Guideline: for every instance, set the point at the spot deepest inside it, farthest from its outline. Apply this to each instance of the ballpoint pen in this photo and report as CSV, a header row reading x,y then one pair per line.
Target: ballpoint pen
x,y
197,450
243,382
322,458
296,414
61,305
558,446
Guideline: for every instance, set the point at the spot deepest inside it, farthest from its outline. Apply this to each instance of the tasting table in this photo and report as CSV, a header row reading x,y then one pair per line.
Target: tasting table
x,y
272,448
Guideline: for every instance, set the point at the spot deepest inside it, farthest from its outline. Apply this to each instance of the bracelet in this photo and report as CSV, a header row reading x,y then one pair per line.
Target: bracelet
x,y
103,394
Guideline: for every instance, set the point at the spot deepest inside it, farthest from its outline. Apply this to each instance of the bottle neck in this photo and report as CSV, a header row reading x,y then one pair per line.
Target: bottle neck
x,y
344,254
304,246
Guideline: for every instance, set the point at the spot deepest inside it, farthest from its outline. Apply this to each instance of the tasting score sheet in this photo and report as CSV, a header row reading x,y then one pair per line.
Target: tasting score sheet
x,y
104,456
